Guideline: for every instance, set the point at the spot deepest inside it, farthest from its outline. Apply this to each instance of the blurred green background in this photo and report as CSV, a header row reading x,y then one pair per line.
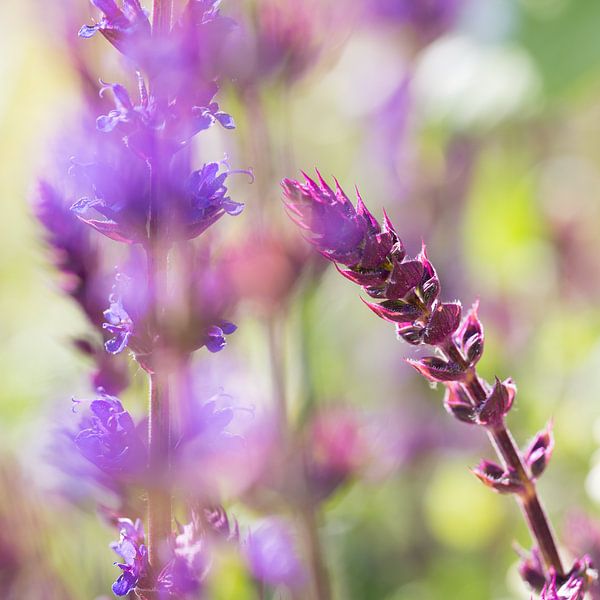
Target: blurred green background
x,y
496,167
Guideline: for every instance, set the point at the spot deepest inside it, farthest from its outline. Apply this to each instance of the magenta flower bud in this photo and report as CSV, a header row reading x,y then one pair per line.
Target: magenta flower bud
x,y
335,228
498,403
436,369
500,480
443,322
373,256
404,277
458,404
531,569
469,336
539,451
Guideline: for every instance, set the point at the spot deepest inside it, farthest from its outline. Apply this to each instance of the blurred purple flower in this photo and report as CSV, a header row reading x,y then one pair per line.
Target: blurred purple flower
x,y
74,253
207,200
118,323
127,315
215,338
176,123
118,201
336,448
207,454
189,564
221,524
276,40
113,190
109,439
110,373
124,27
131,548
427,19
272,556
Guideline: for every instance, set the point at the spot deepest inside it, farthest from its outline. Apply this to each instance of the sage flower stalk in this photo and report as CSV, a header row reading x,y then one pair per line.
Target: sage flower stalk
x,y
406,292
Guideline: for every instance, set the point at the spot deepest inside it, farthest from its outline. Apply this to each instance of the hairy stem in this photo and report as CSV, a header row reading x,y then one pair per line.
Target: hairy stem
x,y
508,452
159,427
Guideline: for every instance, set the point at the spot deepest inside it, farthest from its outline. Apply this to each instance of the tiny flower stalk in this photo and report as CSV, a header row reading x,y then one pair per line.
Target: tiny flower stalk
x,y
406,293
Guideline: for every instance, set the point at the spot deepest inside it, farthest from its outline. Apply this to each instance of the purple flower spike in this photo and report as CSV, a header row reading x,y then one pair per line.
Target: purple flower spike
x,y
539,451
272,556
109,439
407,293
131,548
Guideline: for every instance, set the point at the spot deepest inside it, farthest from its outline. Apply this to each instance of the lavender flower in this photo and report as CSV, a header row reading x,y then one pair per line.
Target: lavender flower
x,y
126,319
132,549
207,200
110,440
189,564
207,454
133,185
